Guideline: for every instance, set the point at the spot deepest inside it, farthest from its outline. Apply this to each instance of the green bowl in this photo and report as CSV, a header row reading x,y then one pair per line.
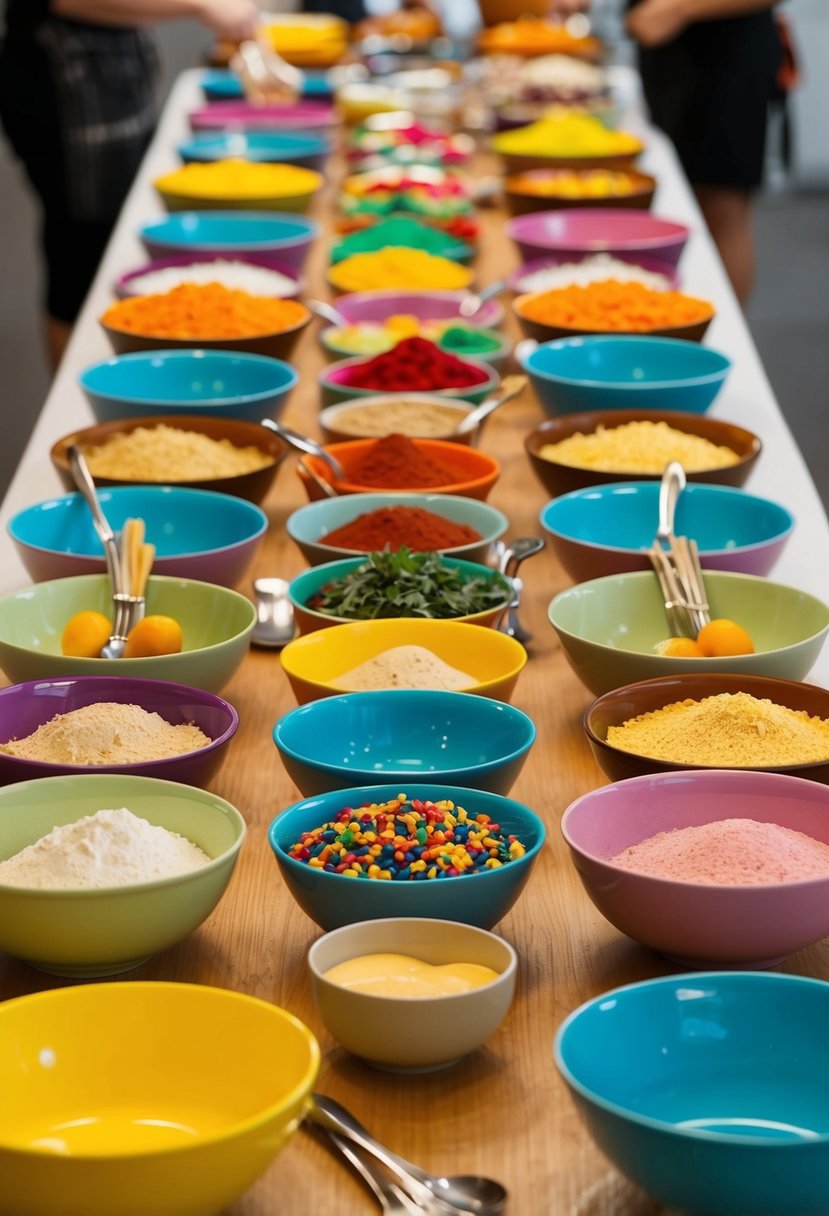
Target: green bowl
x,y
111,929
215,621
609,627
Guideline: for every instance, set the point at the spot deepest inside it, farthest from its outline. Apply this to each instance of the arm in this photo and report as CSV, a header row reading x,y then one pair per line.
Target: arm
x,y
654,22
233,20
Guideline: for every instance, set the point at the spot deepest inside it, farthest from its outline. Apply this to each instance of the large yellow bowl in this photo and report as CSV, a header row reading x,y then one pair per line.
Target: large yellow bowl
x,y
312,661
145,1099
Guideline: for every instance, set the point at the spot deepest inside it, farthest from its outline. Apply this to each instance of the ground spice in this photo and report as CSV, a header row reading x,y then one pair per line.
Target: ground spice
x,y
204,310
729,852
398,267
404,667
165,453
569,134
107,733
638,447
395,526
418,419
395,462
730,730
239,179
415,365
612,307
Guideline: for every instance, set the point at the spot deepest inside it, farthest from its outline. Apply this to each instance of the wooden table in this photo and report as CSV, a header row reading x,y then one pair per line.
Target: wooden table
x,y
503,1111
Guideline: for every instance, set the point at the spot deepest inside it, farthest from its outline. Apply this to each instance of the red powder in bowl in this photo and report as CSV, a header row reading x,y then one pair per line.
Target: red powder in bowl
x,y
730,852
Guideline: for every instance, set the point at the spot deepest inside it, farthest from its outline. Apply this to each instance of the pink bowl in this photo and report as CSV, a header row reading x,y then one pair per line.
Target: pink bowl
x,y
695,923
589,230
241,115
648,262
376,306
129,283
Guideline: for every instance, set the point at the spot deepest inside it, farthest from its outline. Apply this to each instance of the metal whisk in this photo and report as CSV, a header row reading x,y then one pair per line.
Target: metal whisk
x,y
676,562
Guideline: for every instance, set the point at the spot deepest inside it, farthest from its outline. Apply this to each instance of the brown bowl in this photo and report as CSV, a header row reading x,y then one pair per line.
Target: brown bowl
x,y
622,704
561,478
521,162
547,333
522,202
275,345
253,486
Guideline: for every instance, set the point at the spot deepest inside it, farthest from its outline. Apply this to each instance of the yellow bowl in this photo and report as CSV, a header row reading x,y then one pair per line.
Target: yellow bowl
x,y
136,1098
312,661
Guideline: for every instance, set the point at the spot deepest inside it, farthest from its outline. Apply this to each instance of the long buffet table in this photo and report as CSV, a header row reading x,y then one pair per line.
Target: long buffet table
x,y
503,1111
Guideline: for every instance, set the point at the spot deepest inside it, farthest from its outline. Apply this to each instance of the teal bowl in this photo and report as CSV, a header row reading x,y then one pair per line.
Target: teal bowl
x,y
609,628
216,623
398,734
708,1090
333,387
481,898
105,930
309,526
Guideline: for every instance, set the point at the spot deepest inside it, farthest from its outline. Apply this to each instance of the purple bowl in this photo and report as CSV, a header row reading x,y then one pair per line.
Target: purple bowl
x,y
647,262
376,306
241,115
25,707
694,923
595,230
128,284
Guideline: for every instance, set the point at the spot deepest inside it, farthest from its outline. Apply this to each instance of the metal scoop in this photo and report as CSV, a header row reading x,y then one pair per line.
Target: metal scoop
x,y
309,446
472,304
511,386
274,626
328,313
114,649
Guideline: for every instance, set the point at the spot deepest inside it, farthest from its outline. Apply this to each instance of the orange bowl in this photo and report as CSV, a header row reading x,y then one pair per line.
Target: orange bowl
x,y
477,472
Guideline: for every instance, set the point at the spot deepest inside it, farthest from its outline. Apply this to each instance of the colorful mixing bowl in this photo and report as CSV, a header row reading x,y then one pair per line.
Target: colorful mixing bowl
x,y
609,529
595,230
131,283
213,1086
517,281
692,923
708,1090
335,382
275,344
543,331
103,930
376,306
623,371
543,189
398,413
480,898
314,662
288,147
234,116
284,238
477,472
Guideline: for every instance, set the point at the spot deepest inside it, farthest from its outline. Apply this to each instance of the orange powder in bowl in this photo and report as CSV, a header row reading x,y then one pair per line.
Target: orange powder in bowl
x,y
609,306
204,310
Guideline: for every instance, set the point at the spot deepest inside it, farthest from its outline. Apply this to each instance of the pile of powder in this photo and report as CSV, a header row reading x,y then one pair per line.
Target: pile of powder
x,y
638,447
404,667
730,730
107,733
729,852
165,453
107,849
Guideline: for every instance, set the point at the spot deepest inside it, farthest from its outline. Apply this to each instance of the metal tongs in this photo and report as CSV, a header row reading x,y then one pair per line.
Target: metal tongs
x,y
677,566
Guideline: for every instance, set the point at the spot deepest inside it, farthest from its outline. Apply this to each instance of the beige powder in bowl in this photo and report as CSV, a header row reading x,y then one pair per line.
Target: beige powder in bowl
x,y
107,733
404,667
419,419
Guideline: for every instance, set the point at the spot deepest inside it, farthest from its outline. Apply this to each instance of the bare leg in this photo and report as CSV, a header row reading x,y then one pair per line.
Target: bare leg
x,y
58,334
728,215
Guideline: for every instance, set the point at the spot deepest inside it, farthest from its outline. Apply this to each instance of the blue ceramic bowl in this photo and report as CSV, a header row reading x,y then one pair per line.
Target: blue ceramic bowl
x,y
219,84
709,1090
286,237
403,734
623,372
280,147
481,898
198,534
608,529
225,384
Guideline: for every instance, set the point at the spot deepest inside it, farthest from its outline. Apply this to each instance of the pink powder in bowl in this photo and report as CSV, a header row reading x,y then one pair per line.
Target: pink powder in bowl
x,y
728,852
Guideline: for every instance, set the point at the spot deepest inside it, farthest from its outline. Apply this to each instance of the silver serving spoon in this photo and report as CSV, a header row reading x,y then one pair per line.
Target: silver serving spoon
x,y
510,558
392,1200
458,1194
309,446
472,303
511,386
326,486
328,313
114,648
274,626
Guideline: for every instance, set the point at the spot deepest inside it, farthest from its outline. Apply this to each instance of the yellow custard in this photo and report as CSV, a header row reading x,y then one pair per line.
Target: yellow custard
x,y
399,975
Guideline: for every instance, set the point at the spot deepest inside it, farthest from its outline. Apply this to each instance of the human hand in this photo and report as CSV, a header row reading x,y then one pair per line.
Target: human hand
x,y
231,20
655,22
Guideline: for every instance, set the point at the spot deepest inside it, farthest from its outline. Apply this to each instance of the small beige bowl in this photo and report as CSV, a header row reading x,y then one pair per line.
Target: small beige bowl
x,y
400,1034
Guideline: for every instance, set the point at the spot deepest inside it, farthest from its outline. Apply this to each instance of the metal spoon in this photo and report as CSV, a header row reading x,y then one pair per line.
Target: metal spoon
x,y
453,1195
510,558
274,626
472,303
390,1197
326,486
511,386
114,648
328,313
303,443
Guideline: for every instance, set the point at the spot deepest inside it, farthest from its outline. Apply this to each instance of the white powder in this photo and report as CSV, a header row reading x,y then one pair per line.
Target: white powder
x,y
240,276
107,849
594,269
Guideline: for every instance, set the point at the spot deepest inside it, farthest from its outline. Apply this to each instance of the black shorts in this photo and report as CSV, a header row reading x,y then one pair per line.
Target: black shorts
x,y
77,103
709,90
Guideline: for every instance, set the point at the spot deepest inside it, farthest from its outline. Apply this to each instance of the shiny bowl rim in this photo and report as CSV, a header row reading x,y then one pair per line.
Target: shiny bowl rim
x,y
528,347
191,354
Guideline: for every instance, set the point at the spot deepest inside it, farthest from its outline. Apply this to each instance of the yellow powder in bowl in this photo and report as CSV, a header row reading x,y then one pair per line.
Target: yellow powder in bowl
x,y
107,733
638,447
165,453
729,730
404,667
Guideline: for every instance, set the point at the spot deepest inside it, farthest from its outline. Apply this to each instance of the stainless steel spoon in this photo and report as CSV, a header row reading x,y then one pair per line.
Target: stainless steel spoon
x,y
511,386
303,443
392,1200
328,313
510,558
459,1194
114,648
472,304
274,626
